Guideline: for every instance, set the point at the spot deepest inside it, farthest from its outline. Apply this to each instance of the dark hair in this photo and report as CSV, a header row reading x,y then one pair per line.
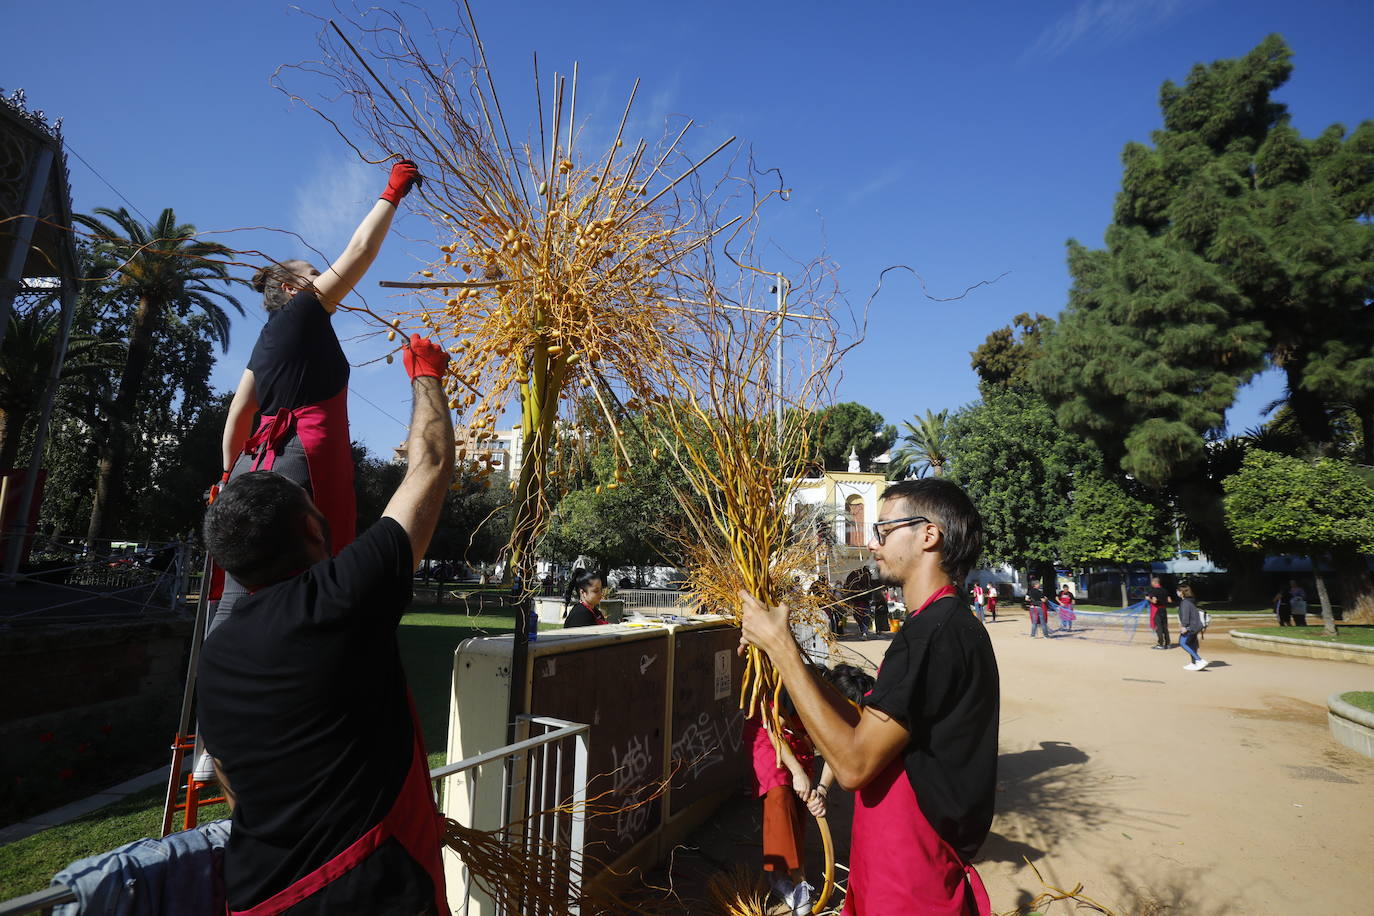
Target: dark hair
x,y
268,281
947,505
253,529
580,579
854,683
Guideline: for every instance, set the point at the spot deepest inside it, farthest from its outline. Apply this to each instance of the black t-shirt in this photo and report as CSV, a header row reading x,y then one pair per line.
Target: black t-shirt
x,y
303,701
1034,595
1157,596
297,359
939,679
582,616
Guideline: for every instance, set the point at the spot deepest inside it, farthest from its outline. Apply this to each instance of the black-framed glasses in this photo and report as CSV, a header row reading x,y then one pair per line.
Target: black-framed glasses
x,y
882,529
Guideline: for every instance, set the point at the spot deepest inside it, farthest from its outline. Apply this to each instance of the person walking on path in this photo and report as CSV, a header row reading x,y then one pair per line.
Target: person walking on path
x,y
992,601
922,753
304,706
1035,606
978,599
1297,603
1159,600
1189,627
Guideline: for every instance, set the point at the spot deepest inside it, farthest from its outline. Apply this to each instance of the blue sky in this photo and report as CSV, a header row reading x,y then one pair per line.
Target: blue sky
x,y
965,140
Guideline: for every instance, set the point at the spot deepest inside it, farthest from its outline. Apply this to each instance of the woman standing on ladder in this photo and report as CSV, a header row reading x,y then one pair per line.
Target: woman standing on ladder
x,y
297,378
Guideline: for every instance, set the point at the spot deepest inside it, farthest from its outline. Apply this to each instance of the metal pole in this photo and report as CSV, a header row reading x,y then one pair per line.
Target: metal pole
x,y
13,276
781,289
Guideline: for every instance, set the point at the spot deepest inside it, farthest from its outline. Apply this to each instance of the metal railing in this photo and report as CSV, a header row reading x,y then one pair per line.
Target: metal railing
x,y
546,797
544,784
64,582
654,600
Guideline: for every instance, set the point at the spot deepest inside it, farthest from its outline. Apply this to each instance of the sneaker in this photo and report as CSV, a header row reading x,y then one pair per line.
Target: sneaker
x,y
1201,663
800,899
204,770
1191,666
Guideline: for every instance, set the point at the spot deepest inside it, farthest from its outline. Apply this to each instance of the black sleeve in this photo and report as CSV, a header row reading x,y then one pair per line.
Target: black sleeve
x,y
371,576
900,674
579,616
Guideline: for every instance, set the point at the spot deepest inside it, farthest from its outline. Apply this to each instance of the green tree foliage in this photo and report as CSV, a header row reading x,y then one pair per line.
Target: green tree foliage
x,y
1236,244
1019,468
159,273
172,452
1005,357
26,363
1108,525
629,519
850,427
1282,504
924,449
475,521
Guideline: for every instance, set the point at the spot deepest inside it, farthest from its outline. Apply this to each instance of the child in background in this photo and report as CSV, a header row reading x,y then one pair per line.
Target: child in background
x,y
783,789
1066,614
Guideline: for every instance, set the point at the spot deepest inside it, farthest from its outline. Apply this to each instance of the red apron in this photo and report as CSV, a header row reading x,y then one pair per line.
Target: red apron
x,y
413,821
931,878
322,430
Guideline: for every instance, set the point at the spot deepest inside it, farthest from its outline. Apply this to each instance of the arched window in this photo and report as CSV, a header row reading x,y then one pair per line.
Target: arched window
x,y
854,521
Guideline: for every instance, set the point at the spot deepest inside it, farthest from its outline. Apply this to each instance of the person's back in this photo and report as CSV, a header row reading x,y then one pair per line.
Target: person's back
x,y
303,699
325,639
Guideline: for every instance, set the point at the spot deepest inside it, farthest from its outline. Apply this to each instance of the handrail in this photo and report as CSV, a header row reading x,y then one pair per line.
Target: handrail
x,y
39,901
563,729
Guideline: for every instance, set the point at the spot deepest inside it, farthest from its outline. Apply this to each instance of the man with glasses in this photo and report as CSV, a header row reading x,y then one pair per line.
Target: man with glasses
x,y
922,753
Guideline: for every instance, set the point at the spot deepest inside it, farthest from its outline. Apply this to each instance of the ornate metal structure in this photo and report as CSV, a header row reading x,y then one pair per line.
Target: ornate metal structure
x,y
38,262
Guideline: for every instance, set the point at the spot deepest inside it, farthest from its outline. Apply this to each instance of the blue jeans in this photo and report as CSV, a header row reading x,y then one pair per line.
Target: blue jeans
x,y
978,609
1042,623
1189,643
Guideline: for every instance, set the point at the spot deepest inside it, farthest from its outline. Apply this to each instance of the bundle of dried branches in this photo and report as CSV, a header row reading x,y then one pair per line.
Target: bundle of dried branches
x,y
556,264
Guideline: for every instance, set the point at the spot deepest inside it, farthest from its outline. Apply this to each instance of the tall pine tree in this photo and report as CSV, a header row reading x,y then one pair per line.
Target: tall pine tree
x,y
1236,245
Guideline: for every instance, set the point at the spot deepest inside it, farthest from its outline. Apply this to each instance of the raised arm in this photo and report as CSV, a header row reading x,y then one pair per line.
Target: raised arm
x,y
348,268
240,422
416,504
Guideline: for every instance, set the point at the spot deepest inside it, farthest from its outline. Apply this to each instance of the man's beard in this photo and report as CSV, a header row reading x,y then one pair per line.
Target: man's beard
x,y
888,578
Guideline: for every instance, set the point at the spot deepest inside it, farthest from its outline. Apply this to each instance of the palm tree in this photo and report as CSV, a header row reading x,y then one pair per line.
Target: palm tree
x,y
26,361
926,449
153,268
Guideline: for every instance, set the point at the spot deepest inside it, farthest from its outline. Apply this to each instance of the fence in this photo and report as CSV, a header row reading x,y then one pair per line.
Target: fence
x,y
535,766
65,582
654,600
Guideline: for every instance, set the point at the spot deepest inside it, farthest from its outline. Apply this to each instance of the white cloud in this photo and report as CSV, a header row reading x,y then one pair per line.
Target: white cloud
x,y
329,204
1102,22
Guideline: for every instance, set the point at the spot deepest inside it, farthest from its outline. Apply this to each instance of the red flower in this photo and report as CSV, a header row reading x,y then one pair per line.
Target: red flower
x,y
46,737
106,729
68,773
83,747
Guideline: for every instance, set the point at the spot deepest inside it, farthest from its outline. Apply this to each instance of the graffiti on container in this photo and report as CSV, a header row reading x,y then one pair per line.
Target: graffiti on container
x,y
628,785
703,743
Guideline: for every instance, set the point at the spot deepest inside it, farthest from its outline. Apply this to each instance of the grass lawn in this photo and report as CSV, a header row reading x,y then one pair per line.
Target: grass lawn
x,y
427,636
1364,699
1350,634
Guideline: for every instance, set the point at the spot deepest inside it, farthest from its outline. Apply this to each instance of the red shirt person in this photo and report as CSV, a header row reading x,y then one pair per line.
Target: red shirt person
x,y
303,699
922,753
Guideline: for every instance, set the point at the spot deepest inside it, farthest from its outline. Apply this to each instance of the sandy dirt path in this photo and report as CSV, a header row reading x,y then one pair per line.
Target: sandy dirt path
x,y
1210,792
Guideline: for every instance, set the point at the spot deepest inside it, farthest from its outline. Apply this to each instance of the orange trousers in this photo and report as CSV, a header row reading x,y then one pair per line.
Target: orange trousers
x,y
784,831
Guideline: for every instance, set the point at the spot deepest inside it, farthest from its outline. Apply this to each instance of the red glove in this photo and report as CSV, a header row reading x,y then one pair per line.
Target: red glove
x,y
215,488
424,358
404,174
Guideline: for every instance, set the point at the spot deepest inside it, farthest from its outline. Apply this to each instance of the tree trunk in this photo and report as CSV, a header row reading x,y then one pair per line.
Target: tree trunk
x,y
1328,622
109,488
1125,596
1309,410
1357,588
10,428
